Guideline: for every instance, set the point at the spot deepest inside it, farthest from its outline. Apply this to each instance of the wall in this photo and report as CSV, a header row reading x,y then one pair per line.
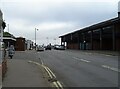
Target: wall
x,y
72,46
20,44
117,36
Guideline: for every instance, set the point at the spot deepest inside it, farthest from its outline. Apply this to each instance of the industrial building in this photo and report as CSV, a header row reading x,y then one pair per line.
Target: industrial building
x,y
20,44
29,44
101,36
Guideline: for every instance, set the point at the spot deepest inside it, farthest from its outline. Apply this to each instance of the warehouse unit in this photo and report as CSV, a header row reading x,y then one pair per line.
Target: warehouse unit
x,y
101,36
20,44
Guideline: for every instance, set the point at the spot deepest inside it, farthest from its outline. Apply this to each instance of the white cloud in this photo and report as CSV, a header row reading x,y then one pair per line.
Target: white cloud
x,y
54,17
60,0
119,7
54,25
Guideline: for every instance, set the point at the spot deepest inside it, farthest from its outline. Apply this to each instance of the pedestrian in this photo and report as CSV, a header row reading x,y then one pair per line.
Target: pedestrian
x,y
11,51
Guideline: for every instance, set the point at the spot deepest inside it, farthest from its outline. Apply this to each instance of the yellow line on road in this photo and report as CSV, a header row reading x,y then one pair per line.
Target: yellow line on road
x,y
48,72
51,72
60,84
57,84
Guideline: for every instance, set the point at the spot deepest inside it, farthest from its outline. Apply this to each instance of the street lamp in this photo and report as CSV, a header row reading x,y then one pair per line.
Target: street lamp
x,y
35,37
55,40
8,27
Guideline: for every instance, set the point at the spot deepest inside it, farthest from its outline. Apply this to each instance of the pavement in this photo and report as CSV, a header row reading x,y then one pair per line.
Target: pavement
x,y
21,73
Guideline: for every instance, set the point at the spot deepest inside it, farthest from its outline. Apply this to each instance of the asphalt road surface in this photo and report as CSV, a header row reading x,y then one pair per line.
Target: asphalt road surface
x,y
82,69
76,68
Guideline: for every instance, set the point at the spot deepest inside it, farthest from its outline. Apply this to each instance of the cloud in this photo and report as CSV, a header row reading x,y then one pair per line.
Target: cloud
x,y
55,17
54,25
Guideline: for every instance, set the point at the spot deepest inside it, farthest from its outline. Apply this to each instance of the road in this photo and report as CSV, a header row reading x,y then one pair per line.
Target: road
x,y
82,69
78,69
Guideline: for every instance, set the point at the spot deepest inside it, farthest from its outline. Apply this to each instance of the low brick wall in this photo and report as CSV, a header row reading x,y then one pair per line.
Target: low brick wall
x,y
4,68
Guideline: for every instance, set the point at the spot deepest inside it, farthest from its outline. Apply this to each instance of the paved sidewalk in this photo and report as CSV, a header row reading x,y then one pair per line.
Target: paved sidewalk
x,y
20,73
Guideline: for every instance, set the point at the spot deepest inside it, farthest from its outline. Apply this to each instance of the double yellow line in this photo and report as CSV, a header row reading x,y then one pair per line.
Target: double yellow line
x,y
52,77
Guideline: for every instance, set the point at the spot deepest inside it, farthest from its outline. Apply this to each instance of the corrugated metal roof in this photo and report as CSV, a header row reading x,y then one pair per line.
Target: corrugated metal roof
x,y
95,26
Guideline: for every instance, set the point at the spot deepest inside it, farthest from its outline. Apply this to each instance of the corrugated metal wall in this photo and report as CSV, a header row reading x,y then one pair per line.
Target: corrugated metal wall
x,y
117,36
101,37
72,46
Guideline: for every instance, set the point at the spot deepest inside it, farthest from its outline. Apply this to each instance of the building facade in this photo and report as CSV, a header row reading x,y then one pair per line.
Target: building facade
x,y
20,44
29,44
8,39
101,36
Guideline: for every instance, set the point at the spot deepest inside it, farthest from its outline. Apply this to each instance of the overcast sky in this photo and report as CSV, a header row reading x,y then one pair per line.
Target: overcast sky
x,y
54,17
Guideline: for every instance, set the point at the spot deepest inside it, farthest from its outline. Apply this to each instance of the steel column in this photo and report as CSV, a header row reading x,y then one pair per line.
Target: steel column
x,y
78,41
91,39
101,38
113,37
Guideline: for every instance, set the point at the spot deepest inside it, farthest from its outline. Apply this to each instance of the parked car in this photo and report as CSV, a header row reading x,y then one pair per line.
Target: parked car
x,y
48,47
59,47
40,48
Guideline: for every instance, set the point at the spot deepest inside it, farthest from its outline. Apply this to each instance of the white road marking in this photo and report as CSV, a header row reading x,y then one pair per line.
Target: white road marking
x,y
104,66
107,55
88,53
111,68
83,60
41,62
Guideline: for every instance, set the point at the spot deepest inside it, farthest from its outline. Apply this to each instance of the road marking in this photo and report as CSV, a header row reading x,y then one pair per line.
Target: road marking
x,y
48,72
52,76
59,84
41,62
107,55
83,60
55,83
111,68
88,53
51,72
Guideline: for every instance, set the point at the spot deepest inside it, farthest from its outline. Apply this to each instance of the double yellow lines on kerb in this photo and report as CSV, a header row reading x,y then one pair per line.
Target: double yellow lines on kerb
x,y
52,77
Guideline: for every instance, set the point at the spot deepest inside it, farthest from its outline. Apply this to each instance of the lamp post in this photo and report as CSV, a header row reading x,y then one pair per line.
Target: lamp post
x,y
35,37
47,40
55,41
8,27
